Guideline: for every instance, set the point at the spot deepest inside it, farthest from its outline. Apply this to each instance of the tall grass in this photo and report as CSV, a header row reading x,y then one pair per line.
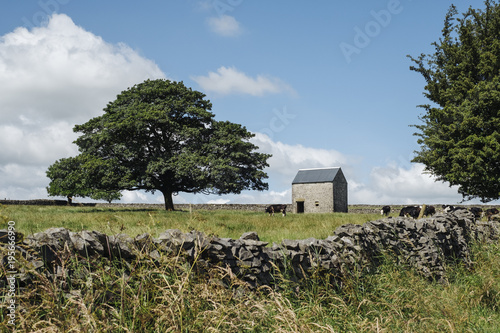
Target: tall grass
x,y
167,294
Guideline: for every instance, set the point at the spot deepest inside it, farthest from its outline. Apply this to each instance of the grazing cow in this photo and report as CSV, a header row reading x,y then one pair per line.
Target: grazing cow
x,y
276,208
429,210
412,211
449,208
478,212
490,212
385,210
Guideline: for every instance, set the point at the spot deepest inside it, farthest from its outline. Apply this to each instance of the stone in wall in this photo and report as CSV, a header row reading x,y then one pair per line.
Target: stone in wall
x,y
427,245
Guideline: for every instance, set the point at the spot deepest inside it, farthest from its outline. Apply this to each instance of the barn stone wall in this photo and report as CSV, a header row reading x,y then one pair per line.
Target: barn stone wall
x,y
317,197
321,197
340,195
427,245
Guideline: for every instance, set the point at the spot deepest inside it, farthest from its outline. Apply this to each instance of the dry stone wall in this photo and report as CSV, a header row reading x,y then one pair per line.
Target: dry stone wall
x,y
187,207
425,244
40,202
50,202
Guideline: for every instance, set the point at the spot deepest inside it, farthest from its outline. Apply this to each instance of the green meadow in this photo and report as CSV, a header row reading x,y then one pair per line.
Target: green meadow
x,y
221,223
166,295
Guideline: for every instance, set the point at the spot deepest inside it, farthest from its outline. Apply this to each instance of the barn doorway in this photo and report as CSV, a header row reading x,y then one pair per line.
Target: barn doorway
x,y
300,206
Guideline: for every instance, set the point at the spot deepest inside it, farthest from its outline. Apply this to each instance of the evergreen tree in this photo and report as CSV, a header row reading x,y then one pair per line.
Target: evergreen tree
x,y
460,135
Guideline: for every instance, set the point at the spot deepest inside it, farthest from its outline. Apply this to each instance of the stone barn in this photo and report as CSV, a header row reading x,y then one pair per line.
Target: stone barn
x,y
322,190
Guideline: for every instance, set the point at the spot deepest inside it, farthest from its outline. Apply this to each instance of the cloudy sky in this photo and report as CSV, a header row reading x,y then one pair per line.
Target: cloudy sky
x,y
320,84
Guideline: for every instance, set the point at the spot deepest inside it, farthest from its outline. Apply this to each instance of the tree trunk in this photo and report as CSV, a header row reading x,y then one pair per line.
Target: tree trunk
x,y
70,200
169,202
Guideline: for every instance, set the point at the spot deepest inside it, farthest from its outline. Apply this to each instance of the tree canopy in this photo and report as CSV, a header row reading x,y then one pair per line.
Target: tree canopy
x,y
161,136
78,176
460,135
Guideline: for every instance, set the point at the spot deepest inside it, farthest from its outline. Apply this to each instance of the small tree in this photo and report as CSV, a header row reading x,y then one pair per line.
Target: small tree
x,y
161,136
460,134
78,177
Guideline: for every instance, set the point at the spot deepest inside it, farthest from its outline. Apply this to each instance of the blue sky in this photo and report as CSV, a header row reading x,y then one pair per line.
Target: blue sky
x,y
320,84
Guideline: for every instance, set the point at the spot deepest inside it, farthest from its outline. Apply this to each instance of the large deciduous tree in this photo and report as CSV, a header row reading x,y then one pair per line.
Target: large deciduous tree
x,y
460,134
161,136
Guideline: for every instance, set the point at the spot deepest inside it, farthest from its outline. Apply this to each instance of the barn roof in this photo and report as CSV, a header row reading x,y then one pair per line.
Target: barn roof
x,y
320,175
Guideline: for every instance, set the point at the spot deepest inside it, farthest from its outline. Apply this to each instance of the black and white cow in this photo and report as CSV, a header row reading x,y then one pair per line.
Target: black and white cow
x,y
490,212
276,208
449,208
412,211
478,212
385,210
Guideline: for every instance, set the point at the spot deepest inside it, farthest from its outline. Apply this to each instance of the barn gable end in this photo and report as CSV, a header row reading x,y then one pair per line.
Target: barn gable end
x,y
322,190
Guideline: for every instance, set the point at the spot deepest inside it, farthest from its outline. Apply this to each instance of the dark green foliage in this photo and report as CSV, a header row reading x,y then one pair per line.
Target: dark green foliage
x,y
460,134
161,136
80,176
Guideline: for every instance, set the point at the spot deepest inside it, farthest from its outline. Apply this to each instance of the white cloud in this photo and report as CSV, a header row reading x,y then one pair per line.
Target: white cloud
x,y
246,197
31,144
18,175
60,71
390,184
288,159
53,77
134,197
204,5
397,184
224,25
22,181
219,201
267,197
229,80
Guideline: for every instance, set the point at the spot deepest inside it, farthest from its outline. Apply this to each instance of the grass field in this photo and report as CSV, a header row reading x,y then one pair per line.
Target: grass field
x,y
166,295
224,223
